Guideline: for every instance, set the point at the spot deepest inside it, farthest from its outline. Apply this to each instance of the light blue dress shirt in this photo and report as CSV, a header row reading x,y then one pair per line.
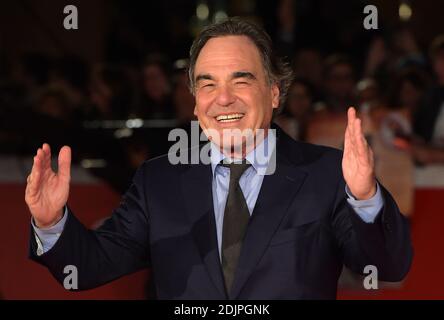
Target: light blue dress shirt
x,y
250,183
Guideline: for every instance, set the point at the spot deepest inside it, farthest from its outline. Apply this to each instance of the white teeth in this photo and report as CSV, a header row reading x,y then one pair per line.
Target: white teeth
x,y
228,120
229,117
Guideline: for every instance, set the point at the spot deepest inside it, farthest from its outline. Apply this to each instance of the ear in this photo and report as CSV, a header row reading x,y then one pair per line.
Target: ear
x,y
275,95
195,110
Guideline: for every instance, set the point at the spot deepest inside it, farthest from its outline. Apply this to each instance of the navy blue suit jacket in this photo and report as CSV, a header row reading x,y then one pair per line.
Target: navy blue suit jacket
x,y
301,232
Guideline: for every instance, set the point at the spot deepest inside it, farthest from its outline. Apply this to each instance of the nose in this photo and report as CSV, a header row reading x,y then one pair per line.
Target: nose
x,y
225,96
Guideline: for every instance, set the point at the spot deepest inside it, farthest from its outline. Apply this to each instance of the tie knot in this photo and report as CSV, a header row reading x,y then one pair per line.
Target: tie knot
x,y
236,169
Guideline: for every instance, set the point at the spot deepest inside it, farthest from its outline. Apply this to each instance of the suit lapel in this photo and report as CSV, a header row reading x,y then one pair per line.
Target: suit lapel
x,y
277,193
196,185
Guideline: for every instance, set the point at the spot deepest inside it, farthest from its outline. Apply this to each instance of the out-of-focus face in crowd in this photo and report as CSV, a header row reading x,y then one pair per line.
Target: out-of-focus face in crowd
x,y
299,100
340,81
308,65
409,95
155,82
183,99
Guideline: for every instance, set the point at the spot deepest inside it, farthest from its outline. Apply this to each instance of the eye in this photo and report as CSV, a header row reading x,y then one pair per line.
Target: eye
x,y
208,85
241,82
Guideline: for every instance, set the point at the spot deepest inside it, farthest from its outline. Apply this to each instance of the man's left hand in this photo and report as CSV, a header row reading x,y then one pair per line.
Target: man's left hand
x,y
358,160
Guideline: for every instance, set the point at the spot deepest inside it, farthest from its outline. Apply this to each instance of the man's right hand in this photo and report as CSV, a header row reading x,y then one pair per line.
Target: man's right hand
x,y
46,191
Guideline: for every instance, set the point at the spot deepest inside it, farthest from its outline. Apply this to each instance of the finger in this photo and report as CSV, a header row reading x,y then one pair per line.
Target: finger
x,y
347,141
360,133
37,162
351,116
351,113
47,151
35,176
43,159
47,148
65,163
361,142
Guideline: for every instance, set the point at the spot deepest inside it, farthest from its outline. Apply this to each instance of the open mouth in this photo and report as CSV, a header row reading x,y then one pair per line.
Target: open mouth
x,y
230,117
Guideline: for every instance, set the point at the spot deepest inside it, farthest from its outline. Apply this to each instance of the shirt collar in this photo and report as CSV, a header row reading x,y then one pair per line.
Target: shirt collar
x,y
259,158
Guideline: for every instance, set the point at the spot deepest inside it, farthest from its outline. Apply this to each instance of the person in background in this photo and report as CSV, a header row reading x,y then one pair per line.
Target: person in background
x,y
371,104
428,123
53,102
307,64
183,100
391,136
155,101
50,118
407,91
286,23
72,75
377,57
33,71
405,49
330,118
339,83
111,94
368,93
297,110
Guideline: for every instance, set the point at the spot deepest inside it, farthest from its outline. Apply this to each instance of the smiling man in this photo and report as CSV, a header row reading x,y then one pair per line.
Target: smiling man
x,y
236,82
229,230
231,86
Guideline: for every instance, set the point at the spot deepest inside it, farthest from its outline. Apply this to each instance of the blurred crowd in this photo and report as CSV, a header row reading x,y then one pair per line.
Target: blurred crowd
x,y
68,102
399,95
397,87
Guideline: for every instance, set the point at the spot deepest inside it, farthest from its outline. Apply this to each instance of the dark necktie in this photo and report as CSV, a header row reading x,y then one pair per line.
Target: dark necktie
x,y
236,218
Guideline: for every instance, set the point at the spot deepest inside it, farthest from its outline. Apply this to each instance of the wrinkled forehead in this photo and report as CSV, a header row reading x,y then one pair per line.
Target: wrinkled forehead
x,y
227,54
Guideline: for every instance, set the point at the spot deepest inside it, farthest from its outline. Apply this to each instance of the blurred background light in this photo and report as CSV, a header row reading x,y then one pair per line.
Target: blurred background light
x,y
220,16
405,11
202,11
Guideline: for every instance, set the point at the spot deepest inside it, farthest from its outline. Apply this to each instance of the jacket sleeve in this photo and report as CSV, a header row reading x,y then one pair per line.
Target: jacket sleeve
x,y
118,247
385,243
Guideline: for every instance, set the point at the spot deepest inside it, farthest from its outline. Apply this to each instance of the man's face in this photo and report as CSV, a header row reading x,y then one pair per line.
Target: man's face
x,y
231,88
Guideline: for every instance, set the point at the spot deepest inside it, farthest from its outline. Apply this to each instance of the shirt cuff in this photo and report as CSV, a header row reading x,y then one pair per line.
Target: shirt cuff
x,y
47,237
368,209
